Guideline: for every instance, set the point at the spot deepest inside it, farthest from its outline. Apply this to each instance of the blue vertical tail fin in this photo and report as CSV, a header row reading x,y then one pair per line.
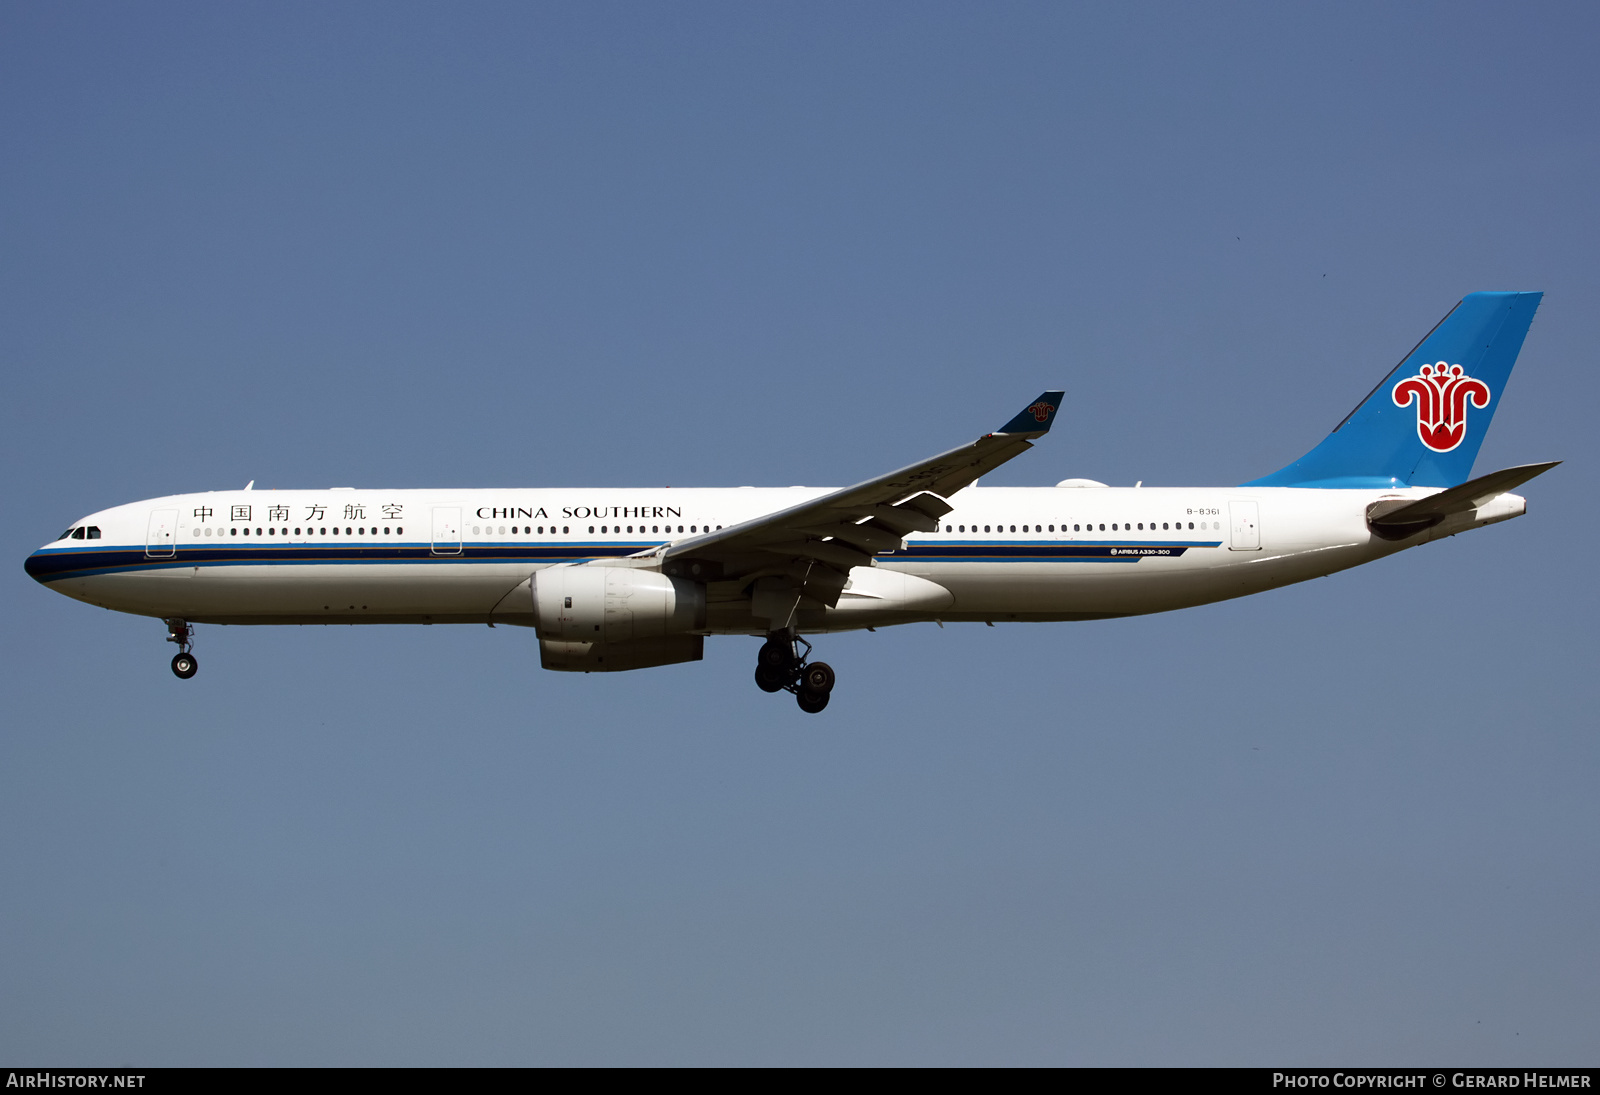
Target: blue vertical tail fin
x,y
1424,422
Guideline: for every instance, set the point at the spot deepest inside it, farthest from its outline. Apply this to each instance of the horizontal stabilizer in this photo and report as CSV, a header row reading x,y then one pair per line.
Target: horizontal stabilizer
x,y
1404,517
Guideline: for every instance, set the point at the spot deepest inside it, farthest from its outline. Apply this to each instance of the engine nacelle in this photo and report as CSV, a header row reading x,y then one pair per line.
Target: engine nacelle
x,y
590,604
615,657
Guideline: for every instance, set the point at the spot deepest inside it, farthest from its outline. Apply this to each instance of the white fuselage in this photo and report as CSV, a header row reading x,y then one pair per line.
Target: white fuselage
x,y
460,556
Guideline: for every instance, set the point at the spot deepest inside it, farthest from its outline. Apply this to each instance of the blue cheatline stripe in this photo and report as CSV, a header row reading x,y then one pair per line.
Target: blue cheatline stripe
x,y
53,564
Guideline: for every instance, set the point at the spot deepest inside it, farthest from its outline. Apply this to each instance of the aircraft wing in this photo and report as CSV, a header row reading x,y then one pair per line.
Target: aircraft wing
x,y
815,544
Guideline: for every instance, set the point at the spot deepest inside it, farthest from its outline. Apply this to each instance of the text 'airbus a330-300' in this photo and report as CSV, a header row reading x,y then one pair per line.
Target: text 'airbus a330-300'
x,y
625,579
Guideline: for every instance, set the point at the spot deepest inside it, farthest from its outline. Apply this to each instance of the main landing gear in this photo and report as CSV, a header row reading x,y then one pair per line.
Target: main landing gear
x,y
184,664
780,667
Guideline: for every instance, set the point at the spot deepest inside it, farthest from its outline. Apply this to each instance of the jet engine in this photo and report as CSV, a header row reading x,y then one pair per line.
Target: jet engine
x,y
596,619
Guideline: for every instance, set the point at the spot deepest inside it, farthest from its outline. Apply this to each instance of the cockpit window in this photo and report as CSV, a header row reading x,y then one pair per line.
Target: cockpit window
x,y
67,535
94,532
77,533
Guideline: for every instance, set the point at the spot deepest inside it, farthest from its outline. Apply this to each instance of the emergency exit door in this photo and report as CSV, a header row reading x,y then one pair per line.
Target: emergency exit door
x,y
1246,524
447,530
161,540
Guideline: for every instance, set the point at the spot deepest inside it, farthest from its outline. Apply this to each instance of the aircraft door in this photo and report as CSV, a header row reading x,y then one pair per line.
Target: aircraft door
x,y
447,530
161,541
1246,521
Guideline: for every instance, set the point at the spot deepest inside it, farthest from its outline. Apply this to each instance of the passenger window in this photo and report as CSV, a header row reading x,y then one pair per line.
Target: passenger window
x,y
591,528
564,529
233,532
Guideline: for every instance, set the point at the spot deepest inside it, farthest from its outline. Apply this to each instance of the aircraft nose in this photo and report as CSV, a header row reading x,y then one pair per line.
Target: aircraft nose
x,y
35,565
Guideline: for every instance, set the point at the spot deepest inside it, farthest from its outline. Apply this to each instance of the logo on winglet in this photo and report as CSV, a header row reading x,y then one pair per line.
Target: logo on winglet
x,y
1041,411
1441,392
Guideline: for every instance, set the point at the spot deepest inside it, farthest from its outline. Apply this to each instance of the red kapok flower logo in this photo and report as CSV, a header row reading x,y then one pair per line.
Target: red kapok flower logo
x,y
1442,392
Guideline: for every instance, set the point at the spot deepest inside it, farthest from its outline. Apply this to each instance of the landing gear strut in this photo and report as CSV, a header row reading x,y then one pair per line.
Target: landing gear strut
x,y
781,667
184,664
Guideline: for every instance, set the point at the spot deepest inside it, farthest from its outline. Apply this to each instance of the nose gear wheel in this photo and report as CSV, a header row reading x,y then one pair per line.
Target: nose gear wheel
x,y
184,664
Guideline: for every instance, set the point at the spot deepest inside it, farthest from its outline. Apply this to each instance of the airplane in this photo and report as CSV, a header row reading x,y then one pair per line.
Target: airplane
x,y
613,580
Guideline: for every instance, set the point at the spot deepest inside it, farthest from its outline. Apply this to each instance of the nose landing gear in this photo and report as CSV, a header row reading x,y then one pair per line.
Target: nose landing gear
x,y
780,667
184,664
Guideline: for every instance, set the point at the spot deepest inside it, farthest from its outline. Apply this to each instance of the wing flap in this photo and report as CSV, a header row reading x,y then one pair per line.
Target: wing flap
x,y
827,551
866,537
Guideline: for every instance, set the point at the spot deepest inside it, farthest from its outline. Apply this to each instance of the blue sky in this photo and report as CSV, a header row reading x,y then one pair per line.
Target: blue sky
x,y
401,245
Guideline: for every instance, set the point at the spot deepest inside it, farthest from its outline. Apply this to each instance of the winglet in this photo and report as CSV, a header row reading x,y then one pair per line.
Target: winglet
x,y
1037,416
